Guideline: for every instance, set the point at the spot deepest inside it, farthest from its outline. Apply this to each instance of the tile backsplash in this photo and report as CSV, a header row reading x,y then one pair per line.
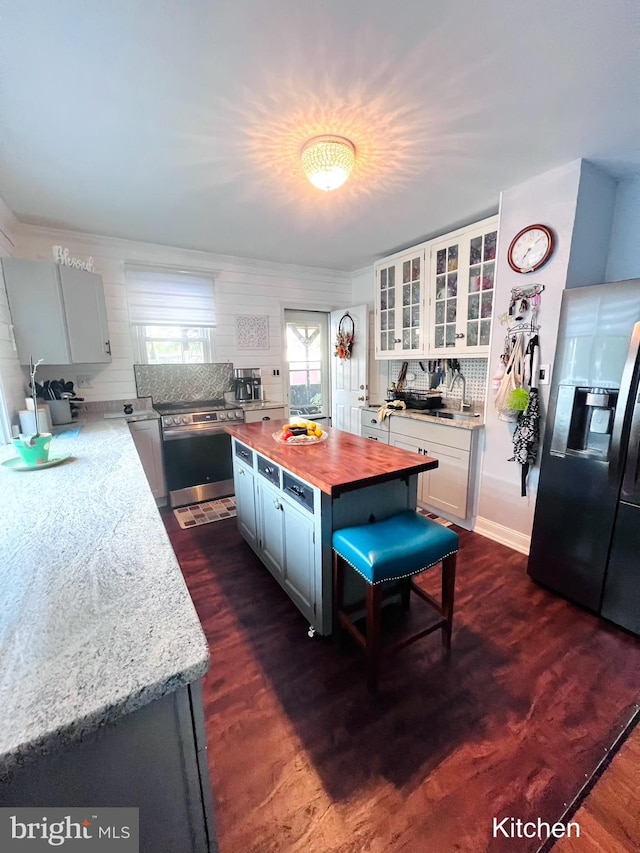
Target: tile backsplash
x,y
173,383
474,371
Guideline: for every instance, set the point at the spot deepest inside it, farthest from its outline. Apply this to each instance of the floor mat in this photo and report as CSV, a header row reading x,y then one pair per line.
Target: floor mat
x,y
434,517
205,512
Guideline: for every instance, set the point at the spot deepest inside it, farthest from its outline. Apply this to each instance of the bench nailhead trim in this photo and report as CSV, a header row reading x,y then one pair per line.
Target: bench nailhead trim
x,y
396,577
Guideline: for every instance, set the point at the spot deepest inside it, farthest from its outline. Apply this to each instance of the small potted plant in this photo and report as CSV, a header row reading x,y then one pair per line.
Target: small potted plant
x,y
34,449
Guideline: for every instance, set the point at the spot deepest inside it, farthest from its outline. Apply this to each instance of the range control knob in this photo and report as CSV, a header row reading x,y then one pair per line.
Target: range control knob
x,y
185,419
222,416
239,415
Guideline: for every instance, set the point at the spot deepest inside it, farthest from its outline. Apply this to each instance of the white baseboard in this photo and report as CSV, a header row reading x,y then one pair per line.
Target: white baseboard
x,y
504,535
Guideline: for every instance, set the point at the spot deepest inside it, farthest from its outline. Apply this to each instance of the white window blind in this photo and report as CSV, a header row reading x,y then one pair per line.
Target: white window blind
x,y
166,298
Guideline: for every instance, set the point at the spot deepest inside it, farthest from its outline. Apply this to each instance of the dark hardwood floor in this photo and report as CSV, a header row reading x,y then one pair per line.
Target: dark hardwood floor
x,y
302,758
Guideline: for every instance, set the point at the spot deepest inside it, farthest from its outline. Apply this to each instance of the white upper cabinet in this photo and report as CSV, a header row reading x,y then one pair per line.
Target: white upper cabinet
x,y
462,268
58,313
437,298
400,305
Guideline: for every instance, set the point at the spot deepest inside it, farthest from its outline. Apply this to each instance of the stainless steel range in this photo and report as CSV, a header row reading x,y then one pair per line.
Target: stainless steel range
x,y
197,450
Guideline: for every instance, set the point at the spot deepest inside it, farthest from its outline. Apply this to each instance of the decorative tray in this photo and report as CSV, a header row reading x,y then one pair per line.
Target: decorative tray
x,y
15,463
299,439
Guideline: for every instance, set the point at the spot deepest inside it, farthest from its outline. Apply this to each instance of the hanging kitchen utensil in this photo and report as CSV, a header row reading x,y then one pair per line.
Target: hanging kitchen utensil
x,y
526,437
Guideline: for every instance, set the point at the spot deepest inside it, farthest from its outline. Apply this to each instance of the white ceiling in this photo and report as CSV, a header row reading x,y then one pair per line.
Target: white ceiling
x,y
181,122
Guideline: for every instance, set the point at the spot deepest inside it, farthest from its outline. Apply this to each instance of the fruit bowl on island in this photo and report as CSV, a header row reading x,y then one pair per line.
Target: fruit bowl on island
x,y
298,431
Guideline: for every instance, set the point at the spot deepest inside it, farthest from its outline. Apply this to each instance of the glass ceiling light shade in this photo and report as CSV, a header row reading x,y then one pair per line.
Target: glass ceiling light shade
x,y
327,161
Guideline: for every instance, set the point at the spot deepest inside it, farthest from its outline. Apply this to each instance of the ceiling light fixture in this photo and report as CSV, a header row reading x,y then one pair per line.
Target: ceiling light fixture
x,y
327,161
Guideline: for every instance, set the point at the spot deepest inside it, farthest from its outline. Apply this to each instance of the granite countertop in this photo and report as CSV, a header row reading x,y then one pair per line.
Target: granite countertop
x,y
341,463
261,404
95,618
424,415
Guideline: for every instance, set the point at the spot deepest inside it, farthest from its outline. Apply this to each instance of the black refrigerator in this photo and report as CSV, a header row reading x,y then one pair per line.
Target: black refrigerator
x,y
585,542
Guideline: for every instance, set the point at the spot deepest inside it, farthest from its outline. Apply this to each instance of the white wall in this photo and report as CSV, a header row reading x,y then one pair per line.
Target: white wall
x,y
241,287
552,199
363,287
624,250
12,375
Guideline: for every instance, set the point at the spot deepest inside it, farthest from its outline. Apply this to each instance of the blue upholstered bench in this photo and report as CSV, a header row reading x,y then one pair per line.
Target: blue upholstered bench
x,y
394,549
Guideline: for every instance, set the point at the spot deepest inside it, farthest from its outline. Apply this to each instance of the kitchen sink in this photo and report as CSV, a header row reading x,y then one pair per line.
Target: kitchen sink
x,y
455,416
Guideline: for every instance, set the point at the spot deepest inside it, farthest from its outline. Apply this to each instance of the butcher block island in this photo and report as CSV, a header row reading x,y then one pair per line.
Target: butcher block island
x,y
291,497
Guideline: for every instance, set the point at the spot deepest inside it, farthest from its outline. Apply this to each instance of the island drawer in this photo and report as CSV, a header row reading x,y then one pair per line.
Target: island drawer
x,y
299,491
244,453
269,470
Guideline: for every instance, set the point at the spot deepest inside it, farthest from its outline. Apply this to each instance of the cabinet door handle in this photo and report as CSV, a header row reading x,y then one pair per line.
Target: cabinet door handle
x,y
241,472
107,347
396,340
277,504
266,418
460,335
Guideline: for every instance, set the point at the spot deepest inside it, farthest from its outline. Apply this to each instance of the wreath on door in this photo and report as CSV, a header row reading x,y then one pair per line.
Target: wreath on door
x,y
345,337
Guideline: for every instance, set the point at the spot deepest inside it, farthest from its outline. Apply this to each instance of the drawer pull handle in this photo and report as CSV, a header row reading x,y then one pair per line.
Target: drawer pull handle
x,y
244,454
374,421
371,438
266,418
268,469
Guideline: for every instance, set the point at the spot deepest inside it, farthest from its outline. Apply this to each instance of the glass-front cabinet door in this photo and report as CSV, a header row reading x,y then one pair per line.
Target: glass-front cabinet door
x,y
400,305
462,280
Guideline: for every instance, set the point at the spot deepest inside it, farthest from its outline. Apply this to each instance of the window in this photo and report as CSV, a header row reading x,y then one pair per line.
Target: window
x,y
172,316
306,336
173,344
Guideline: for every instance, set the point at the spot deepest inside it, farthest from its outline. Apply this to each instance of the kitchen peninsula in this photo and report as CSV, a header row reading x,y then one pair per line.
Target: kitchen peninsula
x,y
101,650
290,498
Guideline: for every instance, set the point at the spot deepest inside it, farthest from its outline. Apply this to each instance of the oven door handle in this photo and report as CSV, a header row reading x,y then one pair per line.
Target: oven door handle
x,y
177,435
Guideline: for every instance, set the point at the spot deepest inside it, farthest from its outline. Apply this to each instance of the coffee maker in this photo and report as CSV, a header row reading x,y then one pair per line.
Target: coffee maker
x,y
248,384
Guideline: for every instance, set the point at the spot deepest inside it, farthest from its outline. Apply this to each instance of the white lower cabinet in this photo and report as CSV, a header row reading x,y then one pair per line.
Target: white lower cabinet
x,y
146,437
244,480
447,489
270,527
298,568
281,531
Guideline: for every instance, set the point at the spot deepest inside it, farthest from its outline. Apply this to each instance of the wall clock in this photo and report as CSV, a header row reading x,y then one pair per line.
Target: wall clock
x,y
530,248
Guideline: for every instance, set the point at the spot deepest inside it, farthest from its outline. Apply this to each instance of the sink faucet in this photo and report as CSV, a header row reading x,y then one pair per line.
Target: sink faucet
x,y
459,376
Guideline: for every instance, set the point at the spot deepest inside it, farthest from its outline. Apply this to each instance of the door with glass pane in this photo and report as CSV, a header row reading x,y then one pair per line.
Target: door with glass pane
x,y
400,305
462,290
307,361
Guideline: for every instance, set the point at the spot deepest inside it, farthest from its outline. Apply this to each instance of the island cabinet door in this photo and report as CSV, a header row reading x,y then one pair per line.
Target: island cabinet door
x,y
299,562
270,527
245,503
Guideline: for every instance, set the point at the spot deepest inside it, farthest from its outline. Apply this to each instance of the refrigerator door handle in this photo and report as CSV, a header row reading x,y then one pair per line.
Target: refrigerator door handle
x,y
621,420
630,486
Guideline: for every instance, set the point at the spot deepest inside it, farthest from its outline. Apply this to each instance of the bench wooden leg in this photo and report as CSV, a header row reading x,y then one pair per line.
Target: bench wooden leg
x,y
448,595
405,593
338,595
374,607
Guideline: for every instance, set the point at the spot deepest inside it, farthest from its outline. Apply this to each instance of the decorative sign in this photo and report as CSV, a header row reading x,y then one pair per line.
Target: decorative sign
x,y
63,257
252,332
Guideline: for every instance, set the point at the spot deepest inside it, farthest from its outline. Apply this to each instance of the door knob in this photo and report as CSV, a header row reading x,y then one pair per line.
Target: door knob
x,y
360,398
362,387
